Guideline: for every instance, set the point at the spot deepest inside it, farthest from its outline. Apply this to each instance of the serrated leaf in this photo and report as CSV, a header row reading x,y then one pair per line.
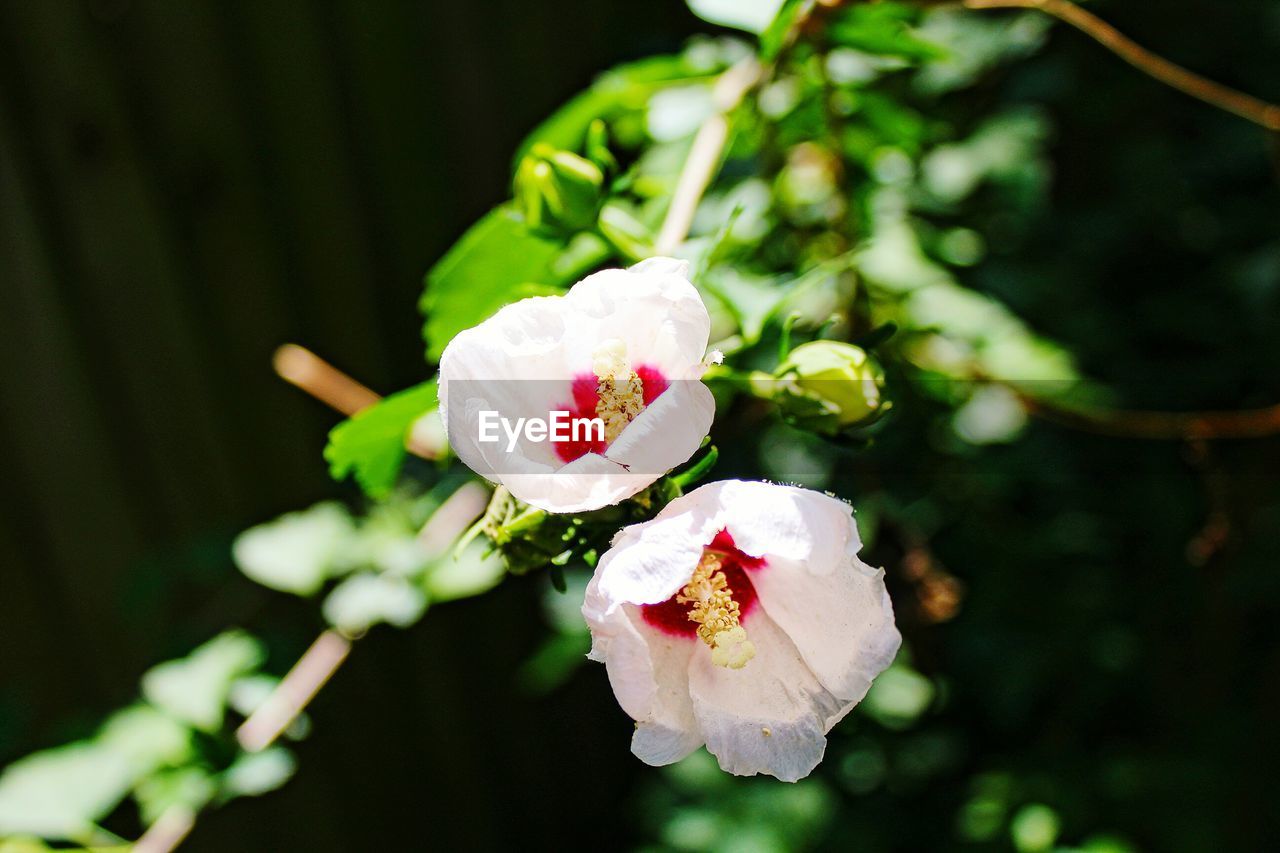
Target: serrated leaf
x,y
371,443
195,688
484,271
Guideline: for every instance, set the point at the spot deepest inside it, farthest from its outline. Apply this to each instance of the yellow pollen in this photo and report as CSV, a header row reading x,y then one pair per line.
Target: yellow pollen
x,y
716,613
619,391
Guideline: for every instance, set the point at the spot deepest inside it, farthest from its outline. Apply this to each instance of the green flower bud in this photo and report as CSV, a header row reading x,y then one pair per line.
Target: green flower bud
x,y
826,387
557,191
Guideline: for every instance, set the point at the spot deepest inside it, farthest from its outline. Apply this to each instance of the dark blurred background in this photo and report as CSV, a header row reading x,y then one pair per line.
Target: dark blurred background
x,y
186,185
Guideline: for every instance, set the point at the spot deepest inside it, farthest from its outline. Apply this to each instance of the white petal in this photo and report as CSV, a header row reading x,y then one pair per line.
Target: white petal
x,y
771,716
669,430
648,671
521,361
588,482
785,521
841,621
649,562
662,266
659,316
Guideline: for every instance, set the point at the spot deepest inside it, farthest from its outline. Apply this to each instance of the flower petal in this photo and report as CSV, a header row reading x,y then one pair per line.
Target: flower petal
x,y
649,675
771,716
649,562
841,622
766,519
668,431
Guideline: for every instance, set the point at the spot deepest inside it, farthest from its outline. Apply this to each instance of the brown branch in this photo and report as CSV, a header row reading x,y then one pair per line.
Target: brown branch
x,y
312,671
1170,426
1223,97
304,369
308,371
704,157
322,659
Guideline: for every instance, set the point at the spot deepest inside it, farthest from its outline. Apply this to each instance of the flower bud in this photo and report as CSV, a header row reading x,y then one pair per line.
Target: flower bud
x,y
827,387
558,191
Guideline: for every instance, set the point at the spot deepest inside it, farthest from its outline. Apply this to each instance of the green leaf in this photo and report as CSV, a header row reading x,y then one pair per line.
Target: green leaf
x,y
882,28
367,599
774,38
190,787
623,89
254,774
371,443
484,271
299,550
195,688
469,572
60,793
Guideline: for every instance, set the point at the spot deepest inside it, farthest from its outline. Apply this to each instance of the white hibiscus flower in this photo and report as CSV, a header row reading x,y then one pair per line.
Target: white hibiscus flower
x,y
626,347
742,618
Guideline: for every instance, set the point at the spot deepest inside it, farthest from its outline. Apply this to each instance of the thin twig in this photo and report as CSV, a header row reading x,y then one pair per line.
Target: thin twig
x,y
301,367
1170,426
316,666
1223,97
169,830
322,659
704,156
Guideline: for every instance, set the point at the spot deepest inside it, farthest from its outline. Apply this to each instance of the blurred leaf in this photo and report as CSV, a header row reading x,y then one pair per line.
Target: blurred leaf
x,y
882,28
191,787
1034,828
774,37
556,659
484,271
62,792
624,88
465,574
750,299
254,774
372,442
195,688
973,44
367,599
299,550
898,696
145,736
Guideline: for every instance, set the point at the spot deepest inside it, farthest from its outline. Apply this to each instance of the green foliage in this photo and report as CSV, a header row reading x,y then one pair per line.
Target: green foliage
x,y
372,442
195,689
617,97
298,551
496,262
861,189
884,29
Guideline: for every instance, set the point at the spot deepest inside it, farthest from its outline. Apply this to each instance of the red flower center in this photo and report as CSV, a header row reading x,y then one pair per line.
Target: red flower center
x,y
586,400
672,616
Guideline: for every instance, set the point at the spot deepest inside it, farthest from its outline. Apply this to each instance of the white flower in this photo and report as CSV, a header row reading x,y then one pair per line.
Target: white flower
x,y
742,618
624,346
